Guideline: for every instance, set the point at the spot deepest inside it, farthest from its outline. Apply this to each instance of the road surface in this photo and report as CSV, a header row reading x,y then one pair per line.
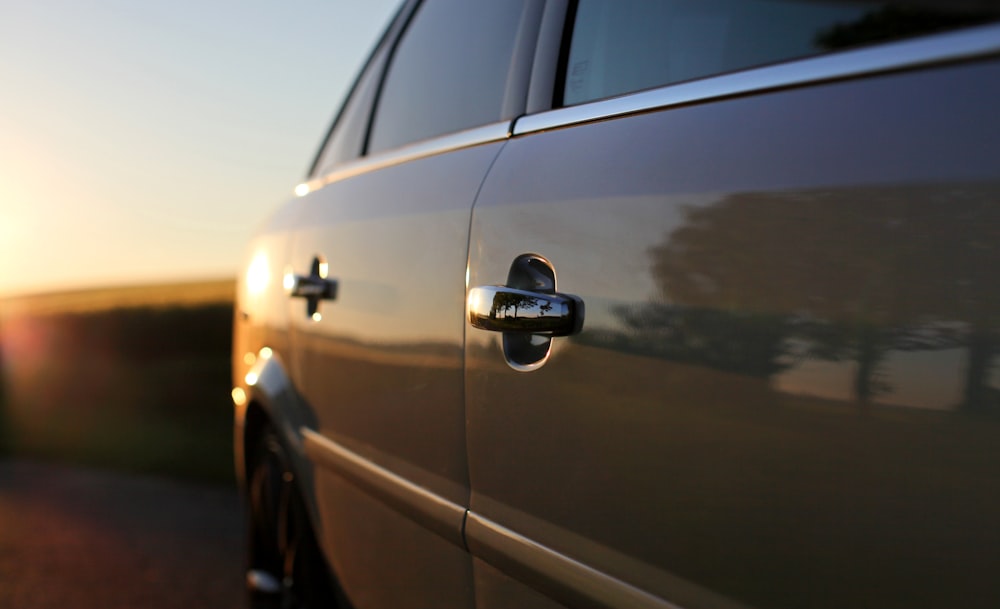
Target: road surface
x,y
91,539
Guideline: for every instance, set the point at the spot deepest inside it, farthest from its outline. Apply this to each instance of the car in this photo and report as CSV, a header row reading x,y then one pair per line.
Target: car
x,y
636,304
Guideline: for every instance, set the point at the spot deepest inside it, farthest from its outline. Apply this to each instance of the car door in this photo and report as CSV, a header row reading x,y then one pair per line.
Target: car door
x,y
377,274
732,341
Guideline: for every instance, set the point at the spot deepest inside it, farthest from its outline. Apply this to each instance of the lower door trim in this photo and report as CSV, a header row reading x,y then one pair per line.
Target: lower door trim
x,y
427,509
562,578
565,580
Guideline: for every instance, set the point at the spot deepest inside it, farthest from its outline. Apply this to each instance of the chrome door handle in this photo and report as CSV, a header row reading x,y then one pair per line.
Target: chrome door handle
x,y
499,308
528,312
314,287
309,286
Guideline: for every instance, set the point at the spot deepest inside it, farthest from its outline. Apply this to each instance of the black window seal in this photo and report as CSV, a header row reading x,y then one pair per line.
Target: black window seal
x,y
410,11
559,86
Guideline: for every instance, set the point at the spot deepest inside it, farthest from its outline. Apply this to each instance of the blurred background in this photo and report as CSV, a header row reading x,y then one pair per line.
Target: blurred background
x,y
140,144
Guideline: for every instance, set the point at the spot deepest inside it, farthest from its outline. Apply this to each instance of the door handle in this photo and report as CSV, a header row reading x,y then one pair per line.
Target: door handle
x,y
314,287
499,308
527,311
309,286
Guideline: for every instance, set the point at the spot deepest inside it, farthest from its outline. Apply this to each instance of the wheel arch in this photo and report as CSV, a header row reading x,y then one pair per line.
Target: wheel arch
x,y
272,402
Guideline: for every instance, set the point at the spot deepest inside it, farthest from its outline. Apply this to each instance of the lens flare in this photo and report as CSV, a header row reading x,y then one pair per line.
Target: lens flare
x,y
258,274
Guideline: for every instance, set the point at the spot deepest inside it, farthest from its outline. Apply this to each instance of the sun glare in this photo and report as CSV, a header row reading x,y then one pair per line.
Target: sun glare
x,y
474,301
258,274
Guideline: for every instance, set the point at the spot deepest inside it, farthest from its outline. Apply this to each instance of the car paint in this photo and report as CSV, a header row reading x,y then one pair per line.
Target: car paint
x,y
832,444
383,367
700,439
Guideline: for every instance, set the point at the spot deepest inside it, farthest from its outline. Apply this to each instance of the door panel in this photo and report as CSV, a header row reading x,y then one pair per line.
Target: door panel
x,y
381,369
785,392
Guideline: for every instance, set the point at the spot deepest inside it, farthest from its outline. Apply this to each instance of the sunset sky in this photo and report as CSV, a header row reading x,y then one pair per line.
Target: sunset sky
x,y
144,141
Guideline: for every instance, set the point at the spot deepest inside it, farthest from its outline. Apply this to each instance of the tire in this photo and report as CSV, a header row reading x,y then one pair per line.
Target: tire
x,y
285,568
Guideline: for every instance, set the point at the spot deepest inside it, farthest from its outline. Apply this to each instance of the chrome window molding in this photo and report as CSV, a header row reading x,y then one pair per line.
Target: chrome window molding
x,y
494,132
955,46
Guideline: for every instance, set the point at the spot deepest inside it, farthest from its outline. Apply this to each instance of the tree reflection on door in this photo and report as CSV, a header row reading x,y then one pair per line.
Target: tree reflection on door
x,y
758,283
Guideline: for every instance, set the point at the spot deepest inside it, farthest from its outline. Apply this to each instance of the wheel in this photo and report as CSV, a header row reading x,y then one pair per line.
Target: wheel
x,y
285,568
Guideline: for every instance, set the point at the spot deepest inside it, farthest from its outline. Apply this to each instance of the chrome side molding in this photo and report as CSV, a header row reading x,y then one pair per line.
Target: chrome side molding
x,y
424,507
557,575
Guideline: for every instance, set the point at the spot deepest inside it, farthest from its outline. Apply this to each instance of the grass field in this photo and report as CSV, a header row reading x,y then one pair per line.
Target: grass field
x,y
135,379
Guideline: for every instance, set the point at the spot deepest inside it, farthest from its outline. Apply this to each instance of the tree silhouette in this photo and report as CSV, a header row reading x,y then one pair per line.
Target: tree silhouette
x,y
854,273
506,301
956,277
740,342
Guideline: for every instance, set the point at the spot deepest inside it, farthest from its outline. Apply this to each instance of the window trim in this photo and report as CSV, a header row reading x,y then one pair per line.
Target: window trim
x,y
516,85
523,60
936,49
381,53
555,27
477,136
524,65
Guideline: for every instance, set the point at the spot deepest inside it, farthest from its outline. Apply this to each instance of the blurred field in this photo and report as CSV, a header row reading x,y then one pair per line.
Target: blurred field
x,y
135,379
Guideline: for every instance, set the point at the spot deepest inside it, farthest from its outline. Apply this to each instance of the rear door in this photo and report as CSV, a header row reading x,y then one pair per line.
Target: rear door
x,y
779,386
378,275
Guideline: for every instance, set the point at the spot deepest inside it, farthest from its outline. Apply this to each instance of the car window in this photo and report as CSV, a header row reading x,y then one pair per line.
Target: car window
x,y
345,140
449,71
630,45
347,137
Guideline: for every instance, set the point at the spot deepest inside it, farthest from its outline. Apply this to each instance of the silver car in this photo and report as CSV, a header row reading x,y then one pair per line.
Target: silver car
x,y
689,303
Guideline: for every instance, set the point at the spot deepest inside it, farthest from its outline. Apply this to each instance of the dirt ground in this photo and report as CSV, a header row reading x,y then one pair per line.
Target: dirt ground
x,y
82,538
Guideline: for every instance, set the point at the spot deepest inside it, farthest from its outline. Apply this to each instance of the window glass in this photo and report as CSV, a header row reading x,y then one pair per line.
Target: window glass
x,y
449,71
347,138
628,45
